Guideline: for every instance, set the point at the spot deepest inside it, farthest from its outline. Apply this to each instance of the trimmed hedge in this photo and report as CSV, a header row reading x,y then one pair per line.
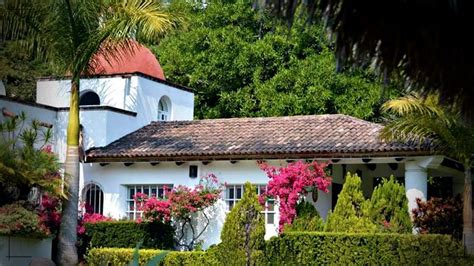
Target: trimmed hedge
x,y
126,234
315,248
123,256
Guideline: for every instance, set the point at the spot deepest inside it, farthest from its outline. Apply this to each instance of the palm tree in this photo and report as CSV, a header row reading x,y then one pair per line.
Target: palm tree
x,y
420,120
68,33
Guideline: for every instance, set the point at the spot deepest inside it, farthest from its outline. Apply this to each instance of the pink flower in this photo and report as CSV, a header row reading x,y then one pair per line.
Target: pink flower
x,y
289,183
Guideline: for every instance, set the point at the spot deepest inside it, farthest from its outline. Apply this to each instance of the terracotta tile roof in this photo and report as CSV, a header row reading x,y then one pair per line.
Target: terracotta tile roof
x,y
315,136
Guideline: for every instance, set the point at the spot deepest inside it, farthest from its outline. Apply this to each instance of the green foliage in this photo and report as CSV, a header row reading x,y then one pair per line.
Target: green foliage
x,y
389,207
152,262
243,232
242,63
19,72
23,161
16,220
315,248
125,234
307,219
122,256
351,213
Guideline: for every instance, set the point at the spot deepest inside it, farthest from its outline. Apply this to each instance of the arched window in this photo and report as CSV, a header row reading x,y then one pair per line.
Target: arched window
x,y
93,198
164,109
89,98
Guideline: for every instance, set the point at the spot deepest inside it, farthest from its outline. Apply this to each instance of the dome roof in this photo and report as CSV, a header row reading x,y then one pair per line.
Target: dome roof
x,y
140,59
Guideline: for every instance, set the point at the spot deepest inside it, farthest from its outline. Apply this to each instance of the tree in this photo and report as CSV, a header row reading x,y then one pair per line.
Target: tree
x,y
389,207
351,213
69,33
241,63
428,123
243,232
427,42
307,219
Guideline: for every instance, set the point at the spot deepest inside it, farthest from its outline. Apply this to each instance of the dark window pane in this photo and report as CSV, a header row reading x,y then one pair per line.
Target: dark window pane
x,y
239,193
231,193
132,193
270,218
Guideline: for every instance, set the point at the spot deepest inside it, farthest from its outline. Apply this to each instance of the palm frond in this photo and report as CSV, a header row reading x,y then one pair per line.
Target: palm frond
x,y
424,121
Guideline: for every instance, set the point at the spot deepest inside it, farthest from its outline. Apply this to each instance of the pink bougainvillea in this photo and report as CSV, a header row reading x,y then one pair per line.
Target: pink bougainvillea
x,y
49,212
289,183
90,218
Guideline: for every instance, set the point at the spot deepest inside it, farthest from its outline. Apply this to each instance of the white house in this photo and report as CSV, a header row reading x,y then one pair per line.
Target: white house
x,y
139,134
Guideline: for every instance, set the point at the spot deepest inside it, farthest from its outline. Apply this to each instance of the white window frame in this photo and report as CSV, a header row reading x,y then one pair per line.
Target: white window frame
x,y
230,200
164,109
132,213
93,200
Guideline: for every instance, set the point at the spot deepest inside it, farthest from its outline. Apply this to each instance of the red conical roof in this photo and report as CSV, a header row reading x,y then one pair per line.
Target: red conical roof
x,y
139,59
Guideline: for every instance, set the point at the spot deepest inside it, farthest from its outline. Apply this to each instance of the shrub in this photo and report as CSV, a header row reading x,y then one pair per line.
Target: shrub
x,y
16,220
307,219
122,256
126,234
318,248
389,207
439,216
243,232
351,213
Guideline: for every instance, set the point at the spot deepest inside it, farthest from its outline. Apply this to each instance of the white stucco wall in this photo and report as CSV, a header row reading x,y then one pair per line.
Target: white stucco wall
x,y
3,91
149,94
132,93
56,92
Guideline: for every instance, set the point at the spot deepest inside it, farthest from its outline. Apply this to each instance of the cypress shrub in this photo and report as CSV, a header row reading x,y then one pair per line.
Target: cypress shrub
x,y
389,207
351,213
126,234
307,219
243,232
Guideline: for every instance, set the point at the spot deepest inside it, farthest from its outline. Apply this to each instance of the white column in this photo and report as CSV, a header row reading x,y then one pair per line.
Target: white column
x,y
416,185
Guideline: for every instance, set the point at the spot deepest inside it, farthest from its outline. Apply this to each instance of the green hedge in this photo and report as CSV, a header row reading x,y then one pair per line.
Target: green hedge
x,y
315,248
126,234
122,256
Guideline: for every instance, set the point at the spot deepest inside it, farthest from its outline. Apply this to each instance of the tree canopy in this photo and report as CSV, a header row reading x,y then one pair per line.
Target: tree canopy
x,y
241,62
427,42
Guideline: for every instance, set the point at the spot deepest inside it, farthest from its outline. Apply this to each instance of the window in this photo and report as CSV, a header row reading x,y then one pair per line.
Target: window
x,y
235,192
164,109
89,98
150,190
193,171
93,198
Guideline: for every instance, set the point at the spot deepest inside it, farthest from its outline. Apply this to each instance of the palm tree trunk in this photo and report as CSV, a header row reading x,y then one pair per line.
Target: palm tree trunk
x,y
468,234
67,239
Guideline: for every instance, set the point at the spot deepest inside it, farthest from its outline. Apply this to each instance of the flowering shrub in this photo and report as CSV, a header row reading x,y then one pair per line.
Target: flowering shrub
x,y
180,204
49,212
90,218
289,183
18,221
